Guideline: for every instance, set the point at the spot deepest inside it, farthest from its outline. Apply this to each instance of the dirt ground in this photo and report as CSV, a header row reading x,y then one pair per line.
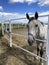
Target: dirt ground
x,y
15,56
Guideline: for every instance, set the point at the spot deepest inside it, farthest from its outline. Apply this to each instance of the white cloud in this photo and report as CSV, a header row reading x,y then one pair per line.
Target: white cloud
x,y
44,13
43,2
30,1
8,16
1,8
45,18
14,1
40,2
22,1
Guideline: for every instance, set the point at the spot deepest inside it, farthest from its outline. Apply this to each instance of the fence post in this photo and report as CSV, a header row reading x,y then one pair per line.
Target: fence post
x,y
47,44
10,34
6,27
2,29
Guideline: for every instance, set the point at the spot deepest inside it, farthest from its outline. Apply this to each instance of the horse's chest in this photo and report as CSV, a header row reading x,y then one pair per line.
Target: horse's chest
x,y
42,32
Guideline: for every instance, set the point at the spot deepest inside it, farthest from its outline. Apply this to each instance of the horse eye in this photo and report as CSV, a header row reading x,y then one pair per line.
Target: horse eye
x,y
36,25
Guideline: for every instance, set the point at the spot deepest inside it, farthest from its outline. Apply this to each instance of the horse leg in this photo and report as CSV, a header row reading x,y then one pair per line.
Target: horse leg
x,y
41,53
37,49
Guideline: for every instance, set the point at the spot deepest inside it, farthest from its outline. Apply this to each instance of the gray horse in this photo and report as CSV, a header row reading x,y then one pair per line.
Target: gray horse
x,y
35,30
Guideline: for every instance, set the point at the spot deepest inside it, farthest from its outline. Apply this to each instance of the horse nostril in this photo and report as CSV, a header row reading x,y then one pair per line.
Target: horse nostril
x,y
36,25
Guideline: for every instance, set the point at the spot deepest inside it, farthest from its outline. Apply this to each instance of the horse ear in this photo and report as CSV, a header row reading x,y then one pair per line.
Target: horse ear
x,y
27,15
36,15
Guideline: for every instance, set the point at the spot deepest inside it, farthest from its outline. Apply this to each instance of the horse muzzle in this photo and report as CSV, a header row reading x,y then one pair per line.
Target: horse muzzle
x,y
30,39
30,42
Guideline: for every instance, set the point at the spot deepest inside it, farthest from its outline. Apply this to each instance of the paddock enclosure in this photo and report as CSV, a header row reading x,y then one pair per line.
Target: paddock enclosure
x,y
14,48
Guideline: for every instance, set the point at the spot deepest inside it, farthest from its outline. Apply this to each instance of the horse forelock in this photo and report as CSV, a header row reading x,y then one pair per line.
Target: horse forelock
x,y
32,18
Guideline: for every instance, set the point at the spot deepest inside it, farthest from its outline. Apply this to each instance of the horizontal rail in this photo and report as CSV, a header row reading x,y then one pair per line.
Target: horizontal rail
x,y
26,37
19,35
27,51
41,40
30,52
23,18
16,34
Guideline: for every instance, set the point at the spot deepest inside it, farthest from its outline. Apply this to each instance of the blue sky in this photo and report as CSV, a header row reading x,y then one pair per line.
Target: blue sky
x,y
18,8
22,7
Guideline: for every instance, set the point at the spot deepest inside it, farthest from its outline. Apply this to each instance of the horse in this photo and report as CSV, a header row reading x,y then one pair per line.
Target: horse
x,y
36,30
